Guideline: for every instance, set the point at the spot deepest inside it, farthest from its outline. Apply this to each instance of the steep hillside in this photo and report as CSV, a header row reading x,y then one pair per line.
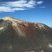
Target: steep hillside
x,y
21,36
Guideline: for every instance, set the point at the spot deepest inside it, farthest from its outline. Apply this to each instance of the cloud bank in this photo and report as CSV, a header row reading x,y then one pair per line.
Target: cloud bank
x,y
12,6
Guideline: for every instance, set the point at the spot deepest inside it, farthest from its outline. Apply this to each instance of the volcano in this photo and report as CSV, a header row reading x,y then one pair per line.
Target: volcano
x,y
21,36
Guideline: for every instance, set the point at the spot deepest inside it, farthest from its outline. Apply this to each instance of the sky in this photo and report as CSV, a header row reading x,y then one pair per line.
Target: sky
x,y
28,10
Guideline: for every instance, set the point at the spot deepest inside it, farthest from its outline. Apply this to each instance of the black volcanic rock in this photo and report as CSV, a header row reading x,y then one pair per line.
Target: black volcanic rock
x,y
21,36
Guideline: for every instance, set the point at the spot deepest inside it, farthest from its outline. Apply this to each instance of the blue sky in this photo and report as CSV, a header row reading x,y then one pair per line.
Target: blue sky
x,y
28,10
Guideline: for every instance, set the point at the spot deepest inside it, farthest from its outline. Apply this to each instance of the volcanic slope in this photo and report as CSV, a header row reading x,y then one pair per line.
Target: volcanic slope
x,y
21,36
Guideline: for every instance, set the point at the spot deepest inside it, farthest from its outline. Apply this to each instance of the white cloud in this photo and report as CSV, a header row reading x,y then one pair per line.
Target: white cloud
x,y
39,2
18,5
5,9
